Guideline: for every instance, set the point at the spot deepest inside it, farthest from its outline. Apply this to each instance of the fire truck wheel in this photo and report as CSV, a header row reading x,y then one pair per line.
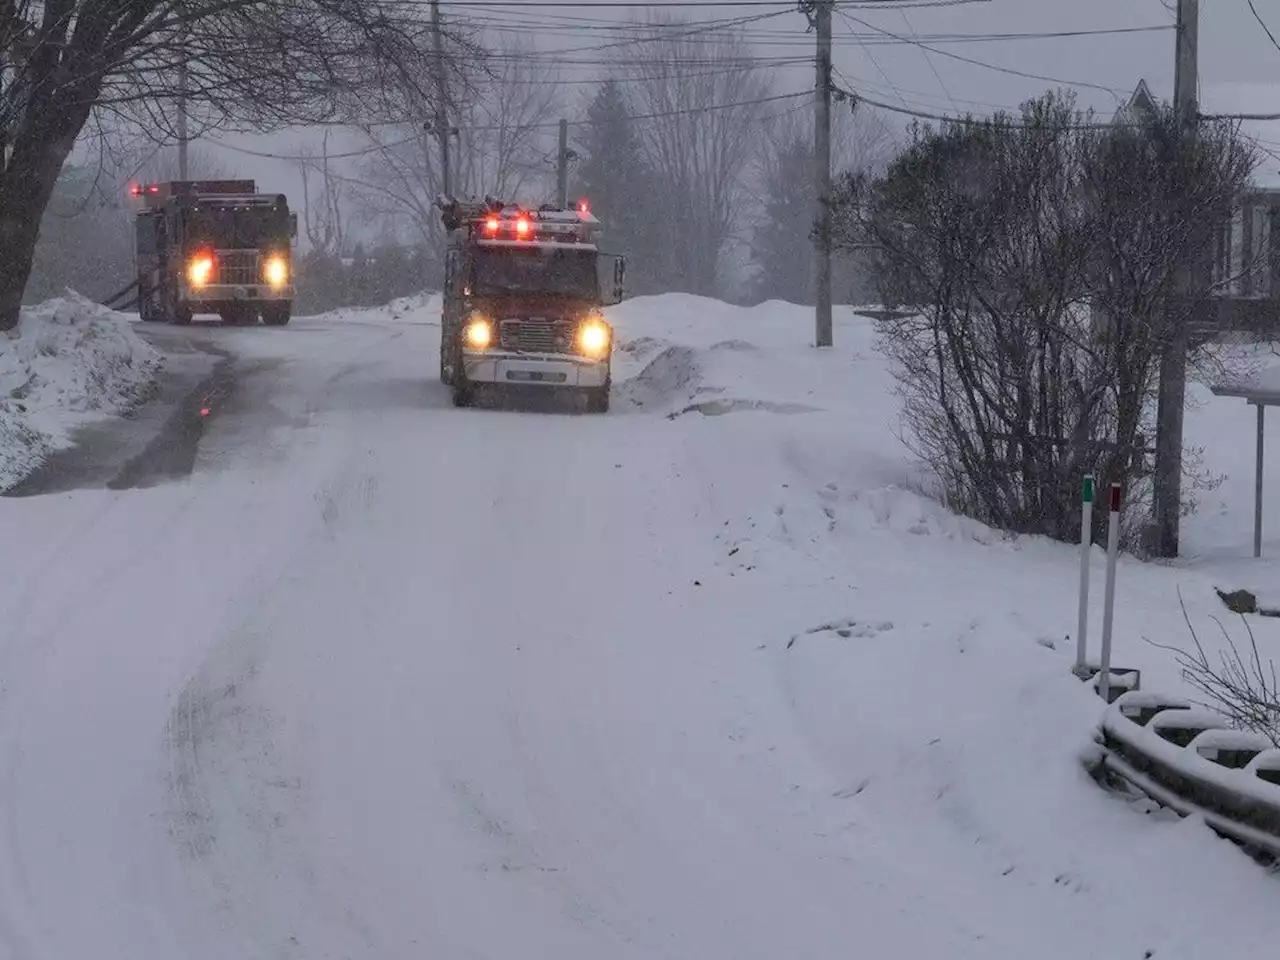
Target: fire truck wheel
x,y
598,399
276,315
446,372
181,315
463,394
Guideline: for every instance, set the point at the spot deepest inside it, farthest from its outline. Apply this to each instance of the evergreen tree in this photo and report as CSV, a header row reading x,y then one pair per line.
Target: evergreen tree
x,y
782,245
620,188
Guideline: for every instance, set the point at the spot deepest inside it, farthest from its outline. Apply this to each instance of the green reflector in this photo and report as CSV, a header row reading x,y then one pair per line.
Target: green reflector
x,y
1087,495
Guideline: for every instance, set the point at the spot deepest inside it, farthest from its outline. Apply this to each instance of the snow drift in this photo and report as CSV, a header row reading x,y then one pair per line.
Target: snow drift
x,y
68,362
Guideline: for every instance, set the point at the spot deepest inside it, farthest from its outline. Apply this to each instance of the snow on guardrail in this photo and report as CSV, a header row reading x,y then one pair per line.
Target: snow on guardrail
x,y
1192,762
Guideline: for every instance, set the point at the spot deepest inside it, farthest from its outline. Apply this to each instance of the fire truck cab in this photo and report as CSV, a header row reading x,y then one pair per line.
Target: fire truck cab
x,y
522,300
214,246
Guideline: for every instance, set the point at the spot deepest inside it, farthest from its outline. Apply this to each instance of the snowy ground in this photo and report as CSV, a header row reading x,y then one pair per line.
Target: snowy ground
x,y
68,363
700,678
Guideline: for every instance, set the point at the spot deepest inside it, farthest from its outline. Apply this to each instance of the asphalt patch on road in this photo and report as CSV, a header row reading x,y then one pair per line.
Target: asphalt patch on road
x,y
155,441
171,454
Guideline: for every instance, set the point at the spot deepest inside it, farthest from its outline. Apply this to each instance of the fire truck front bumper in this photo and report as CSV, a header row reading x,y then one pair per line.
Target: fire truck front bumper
x,y
234,293
523,369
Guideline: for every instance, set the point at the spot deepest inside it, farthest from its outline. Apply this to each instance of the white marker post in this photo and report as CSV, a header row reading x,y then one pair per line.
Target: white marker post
x,y
1086,544
1109,602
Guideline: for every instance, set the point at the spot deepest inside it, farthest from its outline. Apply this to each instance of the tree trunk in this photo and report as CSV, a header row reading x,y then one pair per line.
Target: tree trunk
x,y
23,199
51,123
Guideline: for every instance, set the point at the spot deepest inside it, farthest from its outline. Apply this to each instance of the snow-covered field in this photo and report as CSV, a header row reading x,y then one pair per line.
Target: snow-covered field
x,y
700,678
68,363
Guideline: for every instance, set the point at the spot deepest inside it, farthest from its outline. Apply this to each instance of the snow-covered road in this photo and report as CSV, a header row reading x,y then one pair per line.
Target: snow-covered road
x,y
388,679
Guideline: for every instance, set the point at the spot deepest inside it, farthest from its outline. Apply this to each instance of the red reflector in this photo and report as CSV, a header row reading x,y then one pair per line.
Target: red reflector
x,y
204,411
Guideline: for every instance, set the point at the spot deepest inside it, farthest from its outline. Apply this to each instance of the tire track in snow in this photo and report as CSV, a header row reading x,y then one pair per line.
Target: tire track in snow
x,y
234,801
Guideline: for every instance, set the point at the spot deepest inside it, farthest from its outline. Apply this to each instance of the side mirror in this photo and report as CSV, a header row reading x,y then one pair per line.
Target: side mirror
x,y
293,225
611,281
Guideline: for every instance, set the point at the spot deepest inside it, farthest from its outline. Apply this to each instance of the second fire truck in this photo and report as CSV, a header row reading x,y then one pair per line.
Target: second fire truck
x,y
522,301
214,246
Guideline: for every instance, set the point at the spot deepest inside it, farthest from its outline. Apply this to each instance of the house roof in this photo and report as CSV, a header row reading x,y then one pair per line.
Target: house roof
x,y
1229,98
1141,104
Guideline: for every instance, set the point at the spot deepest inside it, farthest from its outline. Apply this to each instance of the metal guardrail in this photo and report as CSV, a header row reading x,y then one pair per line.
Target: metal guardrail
x,y
1192,762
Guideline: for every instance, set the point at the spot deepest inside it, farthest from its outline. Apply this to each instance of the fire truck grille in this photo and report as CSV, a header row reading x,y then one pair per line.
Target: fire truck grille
x,y
537,335
238,267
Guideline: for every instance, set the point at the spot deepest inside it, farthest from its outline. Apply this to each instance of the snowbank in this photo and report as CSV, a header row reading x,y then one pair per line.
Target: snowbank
x,y
69,361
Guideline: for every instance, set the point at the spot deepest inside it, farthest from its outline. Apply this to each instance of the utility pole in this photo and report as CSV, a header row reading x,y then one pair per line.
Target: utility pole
x,y
1172,397
562,167
822,176
182,109
442,113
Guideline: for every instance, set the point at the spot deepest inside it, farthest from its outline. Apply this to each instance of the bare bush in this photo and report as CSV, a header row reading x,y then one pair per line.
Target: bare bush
x,y
1239,685
1038,255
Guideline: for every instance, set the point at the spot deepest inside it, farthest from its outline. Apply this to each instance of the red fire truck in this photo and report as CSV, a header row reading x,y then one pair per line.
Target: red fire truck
x,y
522,298
214,246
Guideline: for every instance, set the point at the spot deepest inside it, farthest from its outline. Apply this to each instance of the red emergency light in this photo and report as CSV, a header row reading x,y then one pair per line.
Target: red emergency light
x,y
522,226
583,206
491,225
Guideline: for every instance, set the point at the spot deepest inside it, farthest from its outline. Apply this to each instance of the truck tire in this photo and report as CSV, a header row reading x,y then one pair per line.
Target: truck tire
x,y
180,315
446,372
598,399
463,394
277,314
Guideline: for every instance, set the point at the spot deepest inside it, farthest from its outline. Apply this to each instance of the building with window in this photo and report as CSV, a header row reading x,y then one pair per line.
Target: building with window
x,y
1244,268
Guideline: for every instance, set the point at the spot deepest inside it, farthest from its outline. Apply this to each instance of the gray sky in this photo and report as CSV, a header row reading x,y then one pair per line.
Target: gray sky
x,y
1240,68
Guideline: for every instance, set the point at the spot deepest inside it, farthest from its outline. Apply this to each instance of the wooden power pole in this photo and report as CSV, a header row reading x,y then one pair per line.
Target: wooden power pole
x,y
183,92
822,176
1172,397
562,167
442,113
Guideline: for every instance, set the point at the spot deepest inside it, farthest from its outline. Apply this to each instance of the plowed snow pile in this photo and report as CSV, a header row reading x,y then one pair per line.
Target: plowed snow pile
x,y
68,362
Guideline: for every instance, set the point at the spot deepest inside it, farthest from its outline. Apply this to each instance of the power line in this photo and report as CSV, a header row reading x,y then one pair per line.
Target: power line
x,y
666,37
980,63
682,4
929,60
858,98
1262,23
531,126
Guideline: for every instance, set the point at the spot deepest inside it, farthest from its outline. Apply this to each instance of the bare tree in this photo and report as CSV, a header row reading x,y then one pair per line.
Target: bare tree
x,y
234,62
699,96
1008,238
322,213
503,108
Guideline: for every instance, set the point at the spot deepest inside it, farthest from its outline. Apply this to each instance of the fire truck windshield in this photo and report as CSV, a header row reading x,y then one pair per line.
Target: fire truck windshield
x,y
227,228
538,270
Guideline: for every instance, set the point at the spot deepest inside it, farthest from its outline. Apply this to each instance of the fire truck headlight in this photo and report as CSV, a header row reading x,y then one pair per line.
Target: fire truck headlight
x,y
479,333
593,338
200,270
277,271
